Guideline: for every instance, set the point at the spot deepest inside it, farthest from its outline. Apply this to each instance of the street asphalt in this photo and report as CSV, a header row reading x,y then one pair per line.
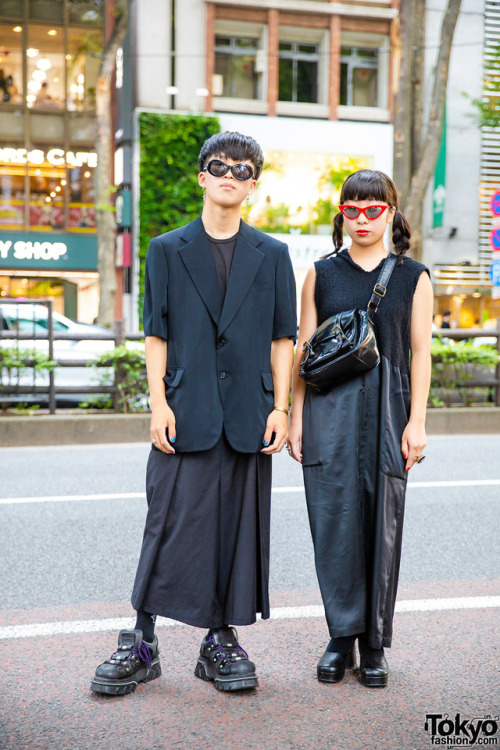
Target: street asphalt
x,y
68,565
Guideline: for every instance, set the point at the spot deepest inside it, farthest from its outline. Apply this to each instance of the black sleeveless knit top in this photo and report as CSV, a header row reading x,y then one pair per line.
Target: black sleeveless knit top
x,y
343,285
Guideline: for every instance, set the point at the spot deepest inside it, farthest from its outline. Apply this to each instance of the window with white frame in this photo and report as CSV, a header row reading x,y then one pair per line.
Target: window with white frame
x,y
364,71
298,72
237,66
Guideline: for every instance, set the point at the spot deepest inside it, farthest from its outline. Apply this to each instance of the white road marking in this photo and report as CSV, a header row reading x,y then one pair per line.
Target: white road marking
x,y
276,491
69,627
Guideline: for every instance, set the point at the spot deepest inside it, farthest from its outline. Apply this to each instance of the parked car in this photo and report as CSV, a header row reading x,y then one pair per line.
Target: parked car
x,y
33,319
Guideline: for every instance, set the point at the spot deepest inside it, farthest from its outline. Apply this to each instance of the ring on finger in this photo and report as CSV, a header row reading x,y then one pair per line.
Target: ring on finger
x,y
154,441
419,459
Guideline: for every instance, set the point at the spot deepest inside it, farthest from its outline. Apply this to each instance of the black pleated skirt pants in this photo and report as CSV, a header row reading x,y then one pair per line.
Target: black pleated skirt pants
x,y
205,554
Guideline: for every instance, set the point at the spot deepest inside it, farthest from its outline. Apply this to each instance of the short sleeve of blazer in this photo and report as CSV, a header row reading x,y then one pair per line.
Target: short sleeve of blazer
x,y
154,316
285,310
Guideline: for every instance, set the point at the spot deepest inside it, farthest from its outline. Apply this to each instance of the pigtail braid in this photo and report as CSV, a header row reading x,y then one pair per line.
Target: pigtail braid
x,y
338,232
401,234
338,236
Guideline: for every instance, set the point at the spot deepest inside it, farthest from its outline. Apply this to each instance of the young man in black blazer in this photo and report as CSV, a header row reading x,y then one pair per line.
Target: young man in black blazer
x,y
220,324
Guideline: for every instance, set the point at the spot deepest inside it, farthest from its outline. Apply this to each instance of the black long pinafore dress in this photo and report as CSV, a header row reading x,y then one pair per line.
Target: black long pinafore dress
x,y
354,472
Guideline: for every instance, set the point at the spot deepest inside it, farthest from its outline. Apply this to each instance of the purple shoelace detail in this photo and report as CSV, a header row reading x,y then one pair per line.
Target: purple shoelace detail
x,y
144,654
220,649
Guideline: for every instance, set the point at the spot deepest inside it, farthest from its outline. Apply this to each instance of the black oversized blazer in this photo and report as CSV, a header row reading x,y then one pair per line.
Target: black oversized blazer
x,y
218,353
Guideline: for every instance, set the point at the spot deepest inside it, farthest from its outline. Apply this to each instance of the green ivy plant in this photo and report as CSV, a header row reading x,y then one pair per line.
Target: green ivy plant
x,y
14,361
127,369
454,365
168,173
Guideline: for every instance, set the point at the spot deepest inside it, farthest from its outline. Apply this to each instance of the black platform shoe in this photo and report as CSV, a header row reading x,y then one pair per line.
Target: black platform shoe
x,y
373,670
332,665
223,661
134,661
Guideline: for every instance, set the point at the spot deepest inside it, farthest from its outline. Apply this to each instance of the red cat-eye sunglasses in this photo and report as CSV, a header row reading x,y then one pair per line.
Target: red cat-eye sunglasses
x,y
370,212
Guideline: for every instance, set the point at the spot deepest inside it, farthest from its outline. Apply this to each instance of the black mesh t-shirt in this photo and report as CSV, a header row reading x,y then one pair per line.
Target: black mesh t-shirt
x,y
343,285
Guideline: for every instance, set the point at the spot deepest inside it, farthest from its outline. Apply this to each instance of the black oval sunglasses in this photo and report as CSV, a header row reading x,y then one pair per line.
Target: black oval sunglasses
x,y
218,168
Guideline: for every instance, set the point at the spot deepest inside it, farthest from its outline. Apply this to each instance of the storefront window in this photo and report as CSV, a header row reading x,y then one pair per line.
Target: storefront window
x,y
359,77
12,180
89,12
47,10
11,64
81,206
47,188
83,59
45,55
11,8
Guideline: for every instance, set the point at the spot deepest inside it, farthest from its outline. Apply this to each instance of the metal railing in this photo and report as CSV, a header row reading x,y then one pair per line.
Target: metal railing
x,y
51,389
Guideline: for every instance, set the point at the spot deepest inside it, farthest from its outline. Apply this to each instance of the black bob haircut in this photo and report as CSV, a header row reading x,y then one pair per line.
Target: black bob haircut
x,y
232,146
372,185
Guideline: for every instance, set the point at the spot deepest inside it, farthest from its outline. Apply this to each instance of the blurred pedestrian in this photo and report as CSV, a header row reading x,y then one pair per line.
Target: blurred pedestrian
x,y
357,440
446,319
220,323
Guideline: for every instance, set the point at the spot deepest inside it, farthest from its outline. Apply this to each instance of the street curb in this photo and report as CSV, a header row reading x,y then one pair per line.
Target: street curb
x,y
88,429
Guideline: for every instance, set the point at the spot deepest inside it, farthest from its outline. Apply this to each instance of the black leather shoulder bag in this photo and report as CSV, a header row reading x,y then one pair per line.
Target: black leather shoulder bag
x,y
345,345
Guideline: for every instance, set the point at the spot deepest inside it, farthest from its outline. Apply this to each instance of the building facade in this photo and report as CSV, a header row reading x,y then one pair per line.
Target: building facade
x,y
313,81
49,61
458,219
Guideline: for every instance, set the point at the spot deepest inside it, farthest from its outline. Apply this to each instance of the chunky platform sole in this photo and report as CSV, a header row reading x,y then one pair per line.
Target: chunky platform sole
x,y
207,671
327,674
109,686
372,680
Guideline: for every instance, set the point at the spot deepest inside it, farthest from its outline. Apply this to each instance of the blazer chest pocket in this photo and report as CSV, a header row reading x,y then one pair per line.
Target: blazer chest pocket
x,y
173,376
261,286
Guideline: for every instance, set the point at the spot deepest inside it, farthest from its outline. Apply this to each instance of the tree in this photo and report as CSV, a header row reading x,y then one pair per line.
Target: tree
x,y
106,225
488,107
416,147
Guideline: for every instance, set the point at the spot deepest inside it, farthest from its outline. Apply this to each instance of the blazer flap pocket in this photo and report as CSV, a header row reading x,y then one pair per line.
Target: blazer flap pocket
x,y
173,376
267,380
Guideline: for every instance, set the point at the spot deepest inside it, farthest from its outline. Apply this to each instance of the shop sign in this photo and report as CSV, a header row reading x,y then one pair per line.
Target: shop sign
x,y
495,238
494,272
55,156
39,251
123,211
495,204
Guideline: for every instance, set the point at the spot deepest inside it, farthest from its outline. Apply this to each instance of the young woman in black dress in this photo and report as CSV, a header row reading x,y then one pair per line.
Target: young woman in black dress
x,y
358,440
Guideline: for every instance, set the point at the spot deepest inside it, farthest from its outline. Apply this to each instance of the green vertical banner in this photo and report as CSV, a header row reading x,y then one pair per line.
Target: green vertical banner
x,y
439,194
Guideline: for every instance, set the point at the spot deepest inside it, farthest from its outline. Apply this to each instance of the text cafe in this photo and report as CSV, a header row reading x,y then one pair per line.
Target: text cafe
x,y
48,243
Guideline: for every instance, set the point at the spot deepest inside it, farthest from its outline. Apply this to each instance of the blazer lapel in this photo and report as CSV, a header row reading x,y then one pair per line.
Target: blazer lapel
x,y
246,262
197,257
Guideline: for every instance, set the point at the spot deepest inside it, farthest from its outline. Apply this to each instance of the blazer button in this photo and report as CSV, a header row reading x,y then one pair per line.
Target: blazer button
x,y
221,343
222,375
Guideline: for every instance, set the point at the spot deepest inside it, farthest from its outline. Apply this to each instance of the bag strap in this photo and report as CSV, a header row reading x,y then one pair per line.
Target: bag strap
x,y
380,288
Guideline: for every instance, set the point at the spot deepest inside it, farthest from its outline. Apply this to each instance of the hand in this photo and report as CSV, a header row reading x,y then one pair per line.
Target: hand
x,y
295,440
277,422
163,419
413,443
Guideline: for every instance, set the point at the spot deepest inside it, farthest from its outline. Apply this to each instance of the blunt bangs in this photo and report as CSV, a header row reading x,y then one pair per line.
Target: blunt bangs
x,y
367,185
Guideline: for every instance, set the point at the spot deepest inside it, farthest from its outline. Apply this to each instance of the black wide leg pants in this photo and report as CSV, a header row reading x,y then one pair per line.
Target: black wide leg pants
x,y
205,552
